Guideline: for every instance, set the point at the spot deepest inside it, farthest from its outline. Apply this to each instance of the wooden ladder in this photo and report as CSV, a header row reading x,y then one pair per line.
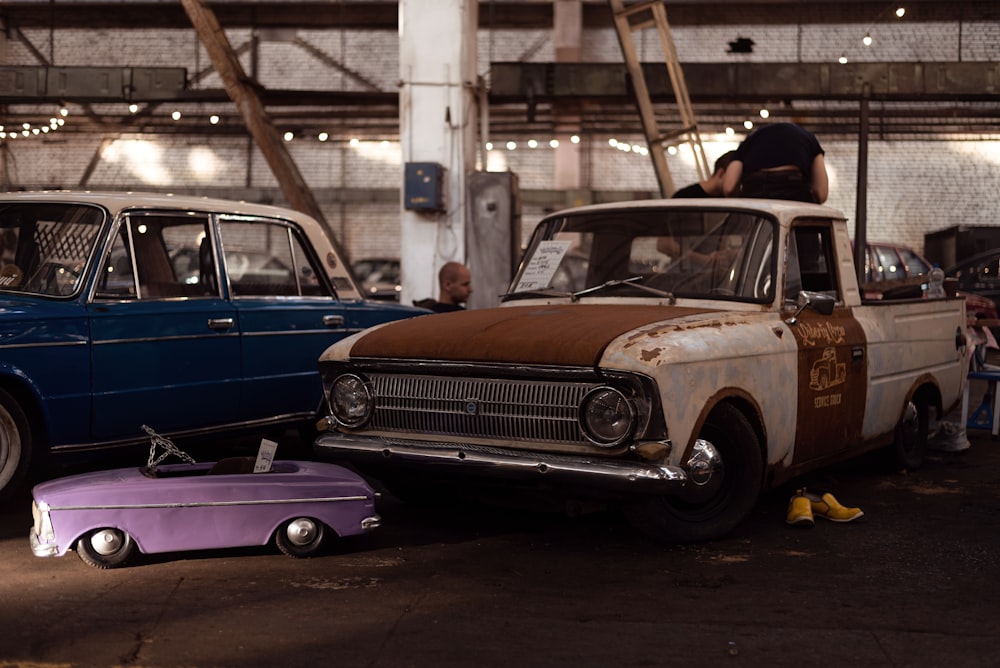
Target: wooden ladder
x,y
639,16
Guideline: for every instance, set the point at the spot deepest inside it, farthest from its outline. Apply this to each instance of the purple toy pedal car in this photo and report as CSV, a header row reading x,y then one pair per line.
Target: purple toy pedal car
x,y
108,515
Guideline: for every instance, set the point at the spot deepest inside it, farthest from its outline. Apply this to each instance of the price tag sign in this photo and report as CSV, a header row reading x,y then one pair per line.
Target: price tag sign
x,y
542,267
265,455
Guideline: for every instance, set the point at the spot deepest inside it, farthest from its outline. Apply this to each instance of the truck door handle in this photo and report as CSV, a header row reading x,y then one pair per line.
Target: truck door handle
x,y
220,323
857,353
333,320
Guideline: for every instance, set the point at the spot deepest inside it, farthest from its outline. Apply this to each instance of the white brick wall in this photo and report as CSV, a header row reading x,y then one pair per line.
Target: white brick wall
x,y
914,186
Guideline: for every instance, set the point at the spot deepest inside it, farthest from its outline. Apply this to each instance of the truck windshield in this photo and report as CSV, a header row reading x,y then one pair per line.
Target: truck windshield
x,y
682,253
44,248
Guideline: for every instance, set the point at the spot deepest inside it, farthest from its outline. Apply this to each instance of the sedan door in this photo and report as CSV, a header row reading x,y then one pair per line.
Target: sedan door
x,y
166,346
287,316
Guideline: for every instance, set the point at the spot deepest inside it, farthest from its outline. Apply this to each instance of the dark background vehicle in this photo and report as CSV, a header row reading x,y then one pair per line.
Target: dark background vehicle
x,y
958,243
379,278
979,274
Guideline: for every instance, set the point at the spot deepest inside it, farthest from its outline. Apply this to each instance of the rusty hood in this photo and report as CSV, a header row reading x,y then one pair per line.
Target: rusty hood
x,y
550,334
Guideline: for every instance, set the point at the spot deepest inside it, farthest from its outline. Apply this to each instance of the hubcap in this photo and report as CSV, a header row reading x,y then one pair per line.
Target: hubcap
x,y
704,470
301,531
107,541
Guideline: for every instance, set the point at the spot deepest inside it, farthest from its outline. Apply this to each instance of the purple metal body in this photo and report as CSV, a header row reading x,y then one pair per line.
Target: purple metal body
x,y
186,508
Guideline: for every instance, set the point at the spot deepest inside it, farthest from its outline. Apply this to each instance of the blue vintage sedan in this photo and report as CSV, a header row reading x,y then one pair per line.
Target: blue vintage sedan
x,y
192,315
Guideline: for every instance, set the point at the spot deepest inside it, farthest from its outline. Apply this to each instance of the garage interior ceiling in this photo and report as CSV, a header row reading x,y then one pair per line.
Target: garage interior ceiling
x,y
912,100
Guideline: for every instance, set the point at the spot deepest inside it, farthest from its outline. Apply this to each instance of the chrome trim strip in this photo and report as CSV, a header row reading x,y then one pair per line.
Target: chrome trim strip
x,y
61,344
183,337
505,370
611,474
324,331
270,502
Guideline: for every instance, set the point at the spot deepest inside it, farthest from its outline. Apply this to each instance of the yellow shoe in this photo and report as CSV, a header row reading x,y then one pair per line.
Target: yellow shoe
x,y
800,512
828,507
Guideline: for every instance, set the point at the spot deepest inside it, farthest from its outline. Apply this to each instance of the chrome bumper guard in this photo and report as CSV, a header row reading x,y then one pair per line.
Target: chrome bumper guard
x,y
611,475
39,548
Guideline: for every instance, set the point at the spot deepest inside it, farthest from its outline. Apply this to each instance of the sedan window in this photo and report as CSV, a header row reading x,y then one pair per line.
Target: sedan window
x,y
44,248
268,259
172,258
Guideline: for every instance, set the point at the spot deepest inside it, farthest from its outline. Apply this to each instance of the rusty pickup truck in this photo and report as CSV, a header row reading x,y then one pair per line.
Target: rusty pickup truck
x,y
674,357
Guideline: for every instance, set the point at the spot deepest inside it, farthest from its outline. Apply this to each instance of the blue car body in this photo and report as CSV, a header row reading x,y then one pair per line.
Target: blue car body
x,y
191,315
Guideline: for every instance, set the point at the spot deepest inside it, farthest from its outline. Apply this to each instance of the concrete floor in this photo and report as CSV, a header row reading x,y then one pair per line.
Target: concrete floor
x,y
912,584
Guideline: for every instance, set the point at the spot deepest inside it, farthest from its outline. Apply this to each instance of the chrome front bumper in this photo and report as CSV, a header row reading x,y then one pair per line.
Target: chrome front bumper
x,y
611,475
41,549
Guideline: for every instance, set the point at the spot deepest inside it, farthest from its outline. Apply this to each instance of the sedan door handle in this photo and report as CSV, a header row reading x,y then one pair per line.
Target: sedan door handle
x,y
333,320
220,323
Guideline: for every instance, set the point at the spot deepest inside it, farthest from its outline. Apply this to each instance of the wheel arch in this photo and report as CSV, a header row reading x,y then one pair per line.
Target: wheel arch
x,y
116,525
925,389
27,397
745,404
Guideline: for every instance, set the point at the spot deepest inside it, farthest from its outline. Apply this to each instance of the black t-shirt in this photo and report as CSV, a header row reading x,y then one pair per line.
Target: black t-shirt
x,y
693,190
778,145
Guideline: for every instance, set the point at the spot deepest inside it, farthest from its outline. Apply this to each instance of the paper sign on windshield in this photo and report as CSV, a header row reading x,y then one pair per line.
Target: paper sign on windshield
x,y
542,266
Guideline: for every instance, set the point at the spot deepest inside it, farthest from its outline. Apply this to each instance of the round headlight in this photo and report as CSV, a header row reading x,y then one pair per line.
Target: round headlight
x,y
350,400
607,416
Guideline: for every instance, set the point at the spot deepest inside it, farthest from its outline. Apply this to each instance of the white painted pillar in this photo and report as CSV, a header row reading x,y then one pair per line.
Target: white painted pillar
x,y
437,124
567,32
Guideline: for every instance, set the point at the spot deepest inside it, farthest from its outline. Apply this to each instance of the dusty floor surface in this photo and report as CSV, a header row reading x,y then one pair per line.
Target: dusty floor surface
x,y
913,584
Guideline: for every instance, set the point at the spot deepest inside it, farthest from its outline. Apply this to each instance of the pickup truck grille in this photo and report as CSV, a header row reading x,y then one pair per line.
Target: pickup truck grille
x,y
495,409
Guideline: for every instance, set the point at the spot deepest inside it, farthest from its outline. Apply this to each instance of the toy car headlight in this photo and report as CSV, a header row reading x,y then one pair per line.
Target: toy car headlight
x,y
607,416
350,400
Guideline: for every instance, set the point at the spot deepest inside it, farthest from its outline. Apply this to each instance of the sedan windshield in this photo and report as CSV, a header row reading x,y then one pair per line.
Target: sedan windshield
x,y
44,248
708,254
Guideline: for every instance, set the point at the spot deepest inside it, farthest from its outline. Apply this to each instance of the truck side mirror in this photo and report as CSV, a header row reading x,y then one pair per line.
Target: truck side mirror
x,y
818,301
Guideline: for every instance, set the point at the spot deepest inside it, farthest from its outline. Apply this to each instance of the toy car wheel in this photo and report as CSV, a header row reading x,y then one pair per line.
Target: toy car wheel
x,y
105,548
301,537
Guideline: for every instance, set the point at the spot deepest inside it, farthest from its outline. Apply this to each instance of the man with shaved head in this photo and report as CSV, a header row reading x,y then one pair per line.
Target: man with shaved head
x,y
455,285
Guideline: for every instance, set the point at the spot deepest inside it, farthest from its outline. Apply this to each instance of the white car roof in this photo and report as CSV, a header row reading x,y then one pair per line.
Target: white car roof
x,y
115,202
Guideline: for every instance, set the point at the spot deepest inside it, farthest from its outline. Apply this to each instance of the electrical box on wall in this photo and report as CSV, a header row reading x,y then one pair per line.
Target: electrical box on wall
x,y
423,186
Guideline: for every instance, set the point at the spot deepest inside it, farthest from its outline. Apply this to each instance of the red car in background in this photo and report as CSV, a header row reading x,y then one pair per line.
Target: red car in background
x,y
900,271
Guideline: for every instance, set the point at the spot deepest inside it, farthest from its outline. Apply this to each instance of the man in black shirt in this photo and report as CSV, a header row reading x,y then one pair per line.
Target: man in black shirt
x,y
779,161
455,282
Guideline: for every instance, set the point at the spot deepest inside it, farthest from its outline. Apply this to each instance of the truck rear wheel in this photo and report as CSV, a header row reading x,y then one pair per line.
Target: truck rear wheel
x,y
733,497
910,444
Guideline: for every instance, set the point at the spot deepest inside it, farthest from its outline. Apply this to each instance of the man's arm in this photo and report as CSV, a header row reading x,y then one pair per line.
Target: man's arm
x,y
820,179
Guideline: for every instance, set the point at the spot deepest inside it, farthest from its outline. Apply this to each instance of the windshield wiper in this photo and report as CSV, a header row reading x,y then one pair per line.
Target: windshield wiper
x,y
544,292
634,281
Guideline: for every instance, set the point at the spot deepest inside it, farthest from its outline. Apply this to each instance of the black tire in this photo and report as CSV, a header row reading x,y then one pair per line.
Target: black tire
x,y
732,497
302,537
15,445
106,548
910,445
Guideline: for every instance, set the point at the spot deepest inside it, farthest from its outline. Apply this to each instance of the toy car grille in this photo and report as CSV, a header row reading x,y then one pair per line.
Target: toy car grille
x,y
495,409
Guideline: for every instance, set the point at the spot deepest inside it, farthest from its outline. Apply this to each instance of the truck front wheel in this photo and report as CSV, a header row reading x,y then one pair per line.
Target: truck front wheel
x,y
734,494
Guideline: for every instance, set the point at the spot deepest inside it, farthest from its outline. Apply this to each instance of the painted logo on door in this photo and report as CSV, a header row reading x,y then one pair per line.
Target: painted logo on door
x,y
827,372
